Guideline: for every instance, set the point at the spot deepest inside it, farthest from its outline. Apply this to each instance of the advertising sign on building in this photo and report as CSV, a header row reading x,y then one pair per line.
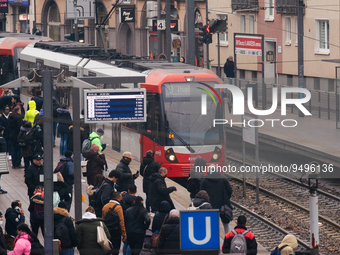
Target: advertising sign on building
x,y
127,14
3,6
174,25
248,45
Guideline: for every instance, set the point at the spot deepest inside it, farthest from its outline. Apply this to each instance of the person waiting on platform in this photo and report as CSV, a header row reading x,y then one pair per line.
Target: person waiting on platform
x,y
14,216
127,178
251,244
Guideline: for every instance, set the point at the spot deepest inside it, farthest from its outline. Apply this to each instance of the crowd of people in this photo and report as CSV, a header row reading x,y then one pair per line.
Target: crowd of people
x,y
114,204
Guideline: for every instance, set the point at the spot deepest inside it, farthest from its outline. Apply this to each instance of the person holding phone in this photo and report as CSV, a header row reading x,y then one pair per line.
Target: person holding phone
x,y
14,216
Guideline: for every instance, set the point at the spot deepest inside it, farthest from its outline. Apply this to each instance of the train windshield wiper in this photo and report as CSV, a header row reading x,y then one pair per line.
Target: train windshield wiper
x,y
182,141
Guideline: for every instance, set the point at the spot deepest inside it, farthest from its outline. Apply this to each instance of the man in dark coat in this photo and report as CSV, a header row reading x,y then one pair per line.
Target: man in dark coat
x,y
148,167
83,136
15,122
195,177
241,224
14,216
159,191
61,215
129,199
229,68
159,217
4,121
219,191
26,151
127,177
169,238
32,174
105,191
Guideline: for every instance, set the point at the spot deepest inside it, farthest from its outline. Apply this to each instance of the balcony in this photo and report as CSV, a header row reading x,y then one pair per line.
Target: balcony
x,y
289,7
245,5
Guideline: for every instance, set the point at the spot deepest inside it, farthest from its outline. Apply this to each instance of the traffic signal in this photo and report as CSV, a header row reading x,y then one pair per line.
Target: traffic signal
x,y
207,38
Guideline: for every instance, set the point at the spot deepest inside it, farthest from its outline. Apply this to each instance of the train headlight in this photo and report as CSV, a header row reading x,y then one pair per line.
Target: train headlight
x,y
217,154
171,156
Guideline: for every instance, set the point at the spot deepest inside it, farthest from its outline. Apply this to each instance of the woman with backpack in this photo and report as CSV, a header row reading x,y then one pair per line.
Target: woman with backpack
x,y
137,221
64,229
23,241
287,246
65,121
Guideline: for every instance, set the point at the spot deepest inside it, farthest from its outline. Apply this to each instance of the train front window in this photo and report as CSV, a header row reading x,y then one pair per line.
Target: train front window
x,y
185,123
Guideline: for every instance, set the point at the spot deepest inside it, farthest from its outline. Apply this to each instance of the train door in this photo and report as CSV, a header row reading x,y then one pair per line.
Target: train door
x,y
150,130
116,136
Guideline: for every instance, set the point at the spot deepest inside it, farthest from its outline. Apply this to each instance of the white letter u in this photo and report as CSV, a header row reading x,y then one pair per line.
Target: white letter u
x,y
207,231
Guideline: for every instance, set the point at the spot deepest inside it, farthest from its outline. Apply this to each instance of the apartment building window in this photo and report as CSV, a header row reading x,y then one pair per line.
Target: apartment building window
x,y
251,24
288,31
330,85
242,23
296,32
317,83
224,36
289,80
269,10
322,36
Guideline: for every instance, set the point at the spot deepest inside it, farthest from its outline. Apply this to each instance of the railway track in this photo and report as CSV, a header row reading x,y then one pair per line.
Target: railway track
x,y
291,200
267,233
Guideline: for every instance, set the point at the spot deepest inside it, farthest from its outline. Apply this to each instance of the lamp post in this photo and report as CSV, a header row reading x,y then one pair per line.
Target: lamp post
x,y
313,207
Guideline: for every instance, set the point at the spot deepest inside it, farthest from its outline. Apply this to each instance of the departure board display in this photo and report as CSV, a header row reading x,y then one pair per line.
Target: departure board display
x,y
115,105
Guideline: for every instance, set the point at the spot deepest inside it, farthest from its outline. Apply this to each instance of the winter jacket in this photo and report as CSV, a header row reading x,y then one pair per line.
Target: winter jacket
x,y
63,190
32,178
169,238
96,165
4,121
158,219
59,215
3,144
32,112
198,202
65,121
3,249
136,223
36,207
68,173
119,210
86,230
291,241
127,178
148,167
104,194
229,68
127,201
8,93
250,239
194,182
26,151
39,102
15,122
13,219
95,138
159,192
83,136
22,245
219,190
19,104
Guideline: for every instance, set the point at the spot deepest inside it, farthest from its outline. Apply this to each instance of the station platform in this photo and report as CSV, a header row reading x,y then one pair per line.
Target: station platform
x,y
312,137
14,183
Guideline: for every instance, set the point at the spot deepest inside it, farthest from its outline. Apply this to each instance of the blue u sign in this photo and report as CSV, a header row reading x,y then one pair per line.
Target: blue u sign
x,y
199,230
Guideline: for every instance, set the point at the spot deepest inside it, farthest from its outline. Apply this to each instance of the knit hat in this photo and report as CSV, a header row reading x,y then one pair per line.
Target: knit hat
x,y
94,147
100,131
62,204
174,213
230,57
68,154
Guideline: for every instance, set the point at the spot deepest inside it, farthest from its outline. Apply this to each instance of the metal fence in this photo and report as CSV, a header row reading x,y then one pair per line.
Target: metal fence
x,y
323,104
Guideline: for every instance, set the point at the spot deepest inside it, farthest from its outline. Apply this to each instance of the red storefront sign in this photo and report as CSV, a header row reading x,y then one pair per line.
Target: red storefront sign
x,y
248,45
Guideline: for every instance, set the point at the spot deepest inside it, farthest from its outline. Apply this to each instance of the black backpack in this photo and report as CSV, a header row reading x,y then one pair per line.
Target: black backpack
x,y
61,232
26,138
112,220
37,248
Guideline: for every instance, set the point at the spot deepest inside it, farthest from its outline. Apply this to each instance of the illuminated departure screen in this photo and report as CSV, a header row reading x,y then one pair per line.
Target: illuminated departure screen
x,y
118,105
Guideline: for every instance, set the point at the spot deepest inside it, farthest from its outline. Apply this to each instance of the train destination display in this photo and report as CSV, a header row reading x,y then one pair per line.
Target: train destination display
x,y
115,105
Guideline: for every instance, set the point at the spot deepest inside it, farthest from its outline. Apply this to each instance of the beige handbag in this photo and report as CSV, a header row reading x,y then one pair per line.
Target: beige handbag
x,y
102,239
